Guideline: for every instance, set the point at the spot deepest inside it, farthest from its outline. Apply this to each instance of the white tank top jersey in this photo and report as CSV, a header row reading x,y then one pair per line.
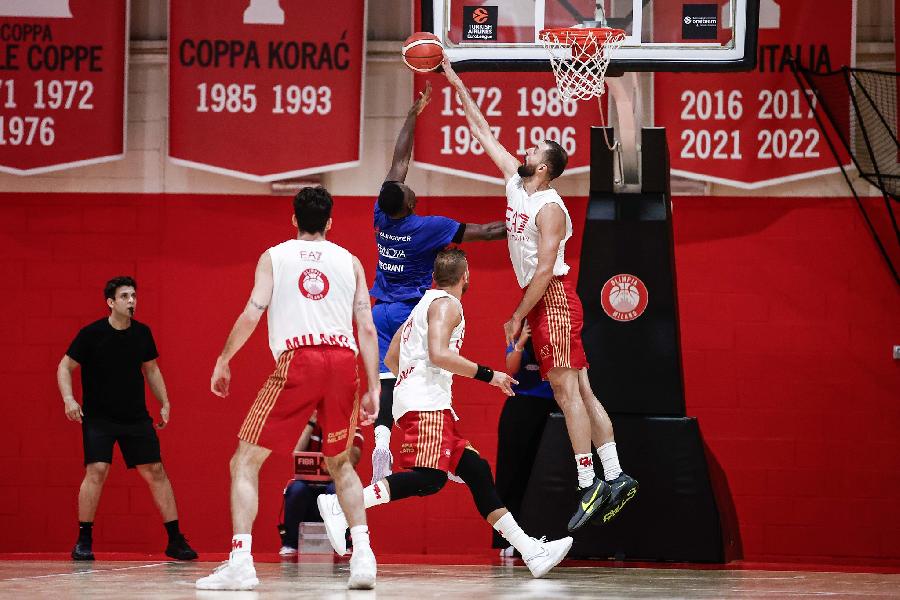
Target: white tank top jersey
x,y
522,231
312,299
420,384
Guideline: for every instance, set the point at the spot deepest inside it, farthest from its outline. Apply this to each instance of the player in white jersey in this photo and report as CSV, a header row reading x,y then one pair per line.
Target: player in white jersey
x,y
424,356
537,228
314,291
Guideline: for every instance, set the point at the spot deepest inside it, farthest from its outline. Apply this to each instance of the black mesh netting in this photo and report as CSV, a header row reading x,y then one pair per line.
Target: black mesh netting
x,y
860,107
869,100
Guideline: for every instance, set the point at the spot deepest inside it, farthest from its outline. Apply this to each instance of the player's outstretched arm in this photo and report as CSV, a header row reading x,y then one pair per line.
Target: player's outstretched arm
x,y
443,316
368,346
495,230
404,144
505,161
245,324
551,226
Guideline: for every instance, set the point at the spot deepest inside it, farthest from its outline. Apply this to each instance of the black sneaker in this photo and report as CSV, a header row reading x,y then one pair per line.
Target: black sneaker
x,y
82,550
624,488
179,549
592,498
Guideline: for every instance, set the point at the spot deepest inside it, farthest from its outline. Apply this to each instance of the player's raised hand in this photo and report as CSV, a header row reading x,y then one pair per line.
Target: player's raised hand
x,y
368,408
449,73
423,100
221,379
504,382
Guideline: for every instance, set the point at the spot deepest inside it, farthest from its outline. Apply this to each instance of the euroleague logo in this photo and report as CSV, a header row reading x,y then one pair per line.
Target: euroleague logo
x,y
624,297
480,15
313,284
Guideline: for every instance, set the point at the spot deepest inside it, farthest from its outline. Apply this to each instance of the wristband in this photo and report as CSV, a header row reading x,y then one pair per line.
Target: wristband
x,y
484,374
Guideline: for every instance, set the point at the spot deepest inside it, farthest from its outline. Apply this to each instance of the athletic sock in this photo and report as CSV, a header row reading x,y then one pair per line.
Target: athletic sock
x,y
383,437
585,464
360,536
376,494
241,544
609,458
85,531
172,529
512,533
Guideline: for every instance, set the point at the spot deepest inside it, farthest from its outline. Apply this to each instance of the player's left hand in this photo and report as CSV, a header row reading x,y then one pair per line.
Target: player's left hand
x,y
163,416
423,100
368,408
512,328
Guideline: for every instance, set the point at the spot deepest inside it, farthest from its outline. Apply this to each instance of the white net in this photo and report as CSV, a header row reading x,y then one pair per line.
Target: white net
x,y
579,58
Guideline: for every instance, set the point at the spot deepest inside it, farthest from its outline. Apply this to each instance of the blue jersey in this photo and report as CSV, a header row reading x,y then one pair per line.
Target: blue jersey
x,y
407,248
529,375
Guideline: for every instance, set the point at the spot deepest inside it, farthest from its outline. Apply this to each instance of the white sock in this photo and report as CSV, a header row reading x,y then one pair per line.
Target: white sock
x,y
360,536
376,494
609,458
585,464
512,533
240,544
383,437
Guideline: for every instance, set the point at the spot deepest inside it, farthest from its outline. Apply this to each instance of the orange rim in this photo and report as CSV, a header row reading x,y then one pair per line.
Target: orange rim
x,y
580,34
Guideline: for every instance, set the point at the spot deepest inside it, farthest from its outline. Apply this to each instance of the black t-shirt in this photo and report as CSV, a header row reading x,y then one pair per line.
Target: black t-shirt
x,y
111,378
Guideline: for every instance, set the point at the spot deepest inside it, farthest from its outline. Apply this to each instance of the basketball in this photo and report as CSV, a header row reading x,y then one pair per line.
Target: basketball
x,y
422,52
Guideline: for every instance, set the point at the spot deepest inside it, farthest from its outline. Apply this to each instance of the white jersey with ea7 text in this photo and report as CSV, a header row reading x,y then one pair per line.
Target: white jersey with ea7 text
x,y
312,297
522,232
422,386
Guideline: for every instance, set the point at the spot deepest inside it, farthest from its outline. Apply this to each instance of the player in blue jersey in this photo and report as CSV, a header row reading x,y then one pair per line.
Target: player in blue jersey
x,y
407,246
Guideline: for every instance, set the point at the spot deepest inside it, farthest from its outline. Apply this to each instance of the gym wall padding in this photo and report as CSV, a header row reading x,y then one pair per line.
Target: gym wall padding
x,y
787,321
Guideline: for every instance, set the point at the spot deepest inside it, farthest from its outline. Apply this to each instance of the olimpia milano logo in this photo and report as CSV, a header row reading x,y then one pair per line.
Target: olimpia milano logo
x,y
624,297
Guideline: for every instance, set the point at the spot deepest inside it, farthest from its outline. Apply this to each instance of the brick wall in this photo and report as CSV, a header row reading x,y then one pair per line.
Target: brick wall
x,y
788,316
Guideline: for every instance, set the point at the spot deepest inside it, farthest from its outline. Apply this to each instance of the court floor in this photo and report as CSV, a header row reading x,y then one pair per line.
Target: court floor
x,y
326,579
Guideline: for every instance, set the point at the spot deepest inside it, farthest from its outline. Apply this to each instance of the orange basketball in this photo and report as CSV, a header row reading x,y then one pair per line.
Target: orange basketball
x,y
423,52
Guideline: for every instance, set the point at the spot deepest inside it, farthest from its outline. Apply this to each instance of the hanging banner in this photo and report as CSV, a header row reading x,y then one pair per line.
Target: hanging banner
x,y
62,83
266,90
522,110
756,129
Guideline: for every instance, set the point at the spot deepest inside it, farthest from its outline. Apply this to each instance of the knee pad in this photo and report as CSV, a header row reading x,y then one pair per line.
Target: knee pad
x,y
476,472
418,481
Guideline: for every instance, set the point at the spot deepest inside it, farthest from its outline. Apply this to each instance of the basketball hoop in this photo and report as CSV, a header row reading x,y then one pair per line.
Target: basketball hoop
x,y
579,57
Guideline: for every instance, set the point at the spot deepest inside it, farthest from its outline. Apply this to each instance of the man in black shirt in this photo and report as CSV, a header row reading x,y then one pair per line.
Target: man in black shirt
x,y
114,354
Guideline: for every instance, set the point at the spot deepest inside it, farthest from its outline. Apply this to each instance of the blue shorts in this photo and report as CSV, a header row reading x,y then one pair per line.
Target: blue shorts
x,y
388,317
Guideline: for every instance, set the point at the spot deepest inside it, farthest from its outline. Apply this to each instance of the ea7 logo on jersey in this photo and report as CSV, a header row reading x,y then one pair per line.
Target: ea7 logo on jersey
x,y
624,297
313,284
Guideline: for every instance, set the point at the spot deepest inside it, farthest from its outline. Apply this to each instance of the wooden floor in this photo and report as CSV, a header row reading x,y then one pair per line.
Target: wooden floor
x,y
324,580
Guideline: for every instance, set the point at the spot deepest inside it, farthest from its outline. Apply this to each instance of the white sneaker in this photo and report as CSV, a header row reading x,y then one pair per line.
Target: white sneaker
x,y
362,569
550,555
287,551
237,573
335,522
382,461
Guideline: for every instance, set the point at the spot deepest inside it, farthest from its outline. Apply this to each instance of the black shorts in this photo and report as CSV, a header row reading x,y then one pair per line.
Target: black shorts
x,y
137,441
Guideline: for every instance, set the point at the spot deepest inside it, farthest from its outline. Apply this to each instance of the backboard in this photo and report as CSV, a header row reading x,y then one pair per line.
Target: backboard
x,y
662,35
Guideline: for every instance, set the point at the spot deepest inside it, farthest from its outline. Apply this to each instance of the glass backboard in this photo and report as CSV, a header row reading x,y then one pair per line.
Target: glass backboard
x,y
662,35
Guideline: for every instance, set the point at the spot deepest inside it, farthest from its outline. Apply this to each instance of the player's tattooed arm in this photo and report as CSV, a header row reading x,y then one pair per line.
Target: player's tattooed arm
x,y
361,305
495,230
257,305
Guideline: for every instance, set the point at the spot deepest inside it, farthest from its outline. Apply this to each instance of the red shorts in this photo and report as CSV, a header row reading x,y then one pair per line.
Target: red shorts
x,y
556,323
430,439
321,378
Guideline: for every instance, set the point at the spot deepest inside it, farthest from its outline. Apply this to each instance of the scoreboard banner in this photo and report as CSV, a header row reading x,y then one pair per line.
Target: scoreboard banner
x,y
266,90
62,83
521,108
756,129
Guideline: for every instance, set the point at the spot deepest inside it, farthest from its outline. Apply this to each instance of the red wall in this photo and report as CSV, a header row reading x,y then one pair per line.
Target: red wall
x,y
788,317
